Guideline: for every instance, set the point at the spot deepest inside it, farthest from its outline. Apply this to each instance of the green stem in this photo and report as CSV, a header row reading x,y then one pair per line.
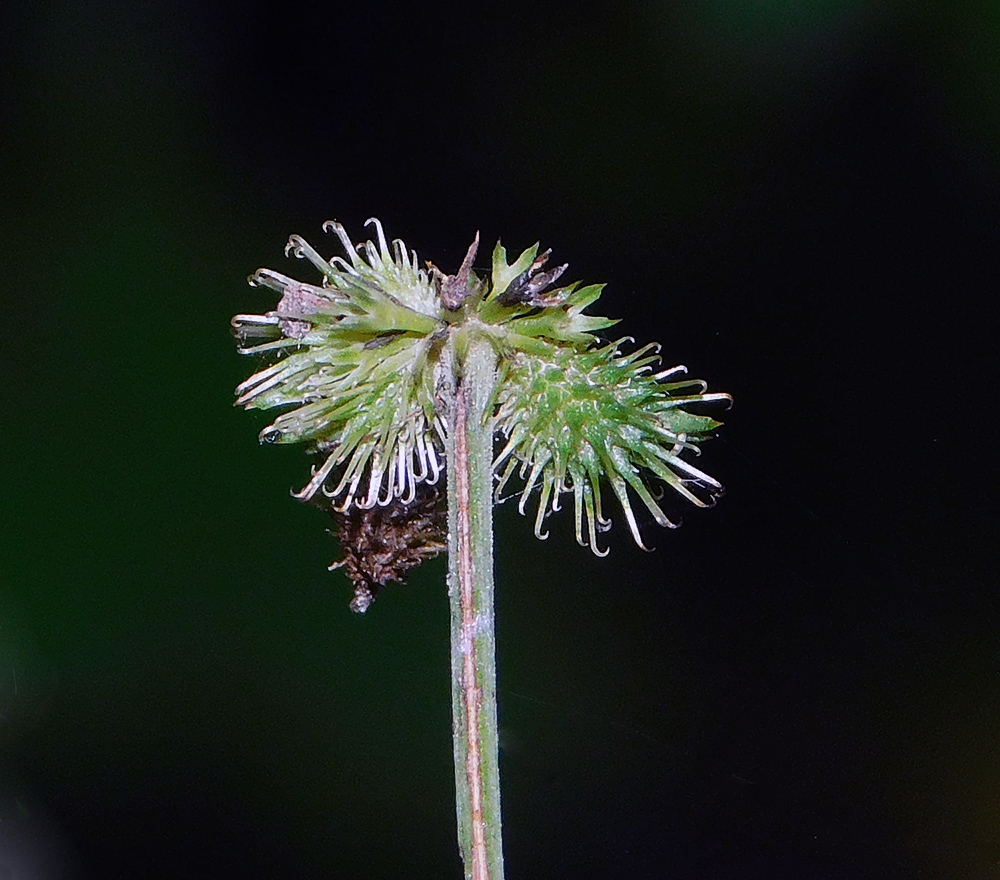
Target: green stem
x,y
470,588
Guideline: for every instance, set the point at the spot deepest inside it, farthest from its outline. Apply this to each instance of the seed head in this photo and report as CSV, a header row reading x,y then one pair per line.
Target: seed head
x,y
364,360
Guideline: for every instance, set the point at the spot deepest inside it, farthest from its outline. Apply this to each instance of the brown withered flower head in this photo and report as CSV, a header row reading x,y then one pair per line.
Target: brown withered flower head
x,y
381,544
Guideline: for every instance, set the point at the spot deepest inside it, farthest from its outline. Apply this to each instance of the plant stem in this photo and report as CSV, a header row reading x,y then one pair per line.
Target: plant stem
x,y
470,588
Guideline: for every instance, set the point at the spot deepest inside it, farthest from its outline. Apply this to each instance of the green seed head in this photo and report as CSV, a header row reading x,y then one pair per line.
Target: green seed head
x,y
364,362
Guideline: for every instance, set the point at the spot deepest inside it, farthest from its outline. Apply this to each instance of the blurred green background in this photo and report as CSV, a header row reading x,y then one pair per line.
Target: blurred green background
x,y
799,200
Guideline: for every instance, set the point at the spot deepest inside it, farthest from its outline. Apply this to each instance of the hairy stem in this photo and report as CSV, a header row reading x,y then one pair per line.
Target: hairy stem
x,y
470,588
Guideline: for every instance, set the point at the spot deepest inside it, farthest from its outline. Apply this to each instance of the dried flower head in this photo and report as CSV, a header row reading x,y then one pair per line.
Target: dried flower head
x,y
381,544
365,360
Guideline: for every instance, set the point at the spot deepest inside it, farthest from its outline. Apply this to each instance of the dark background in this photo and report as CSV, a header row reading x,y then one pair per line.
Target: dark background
x,y
799,200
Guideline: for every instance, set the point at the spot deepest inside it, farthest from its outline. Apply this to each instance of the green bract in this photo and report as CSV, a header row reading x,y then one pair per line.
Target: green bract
x,y
364,369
